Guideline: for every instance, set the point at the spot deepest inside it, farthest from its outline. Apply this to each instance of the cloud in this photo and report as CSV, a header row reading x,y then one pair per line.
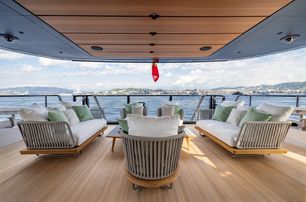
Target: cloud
x,y
168,74
47,62
285,67
30,68
107,69
7,55
268,70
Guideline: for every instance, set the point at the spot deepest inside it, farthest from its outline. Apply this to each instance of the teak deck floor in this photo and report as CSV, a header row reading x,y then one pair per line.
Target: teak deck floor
x,y
207,173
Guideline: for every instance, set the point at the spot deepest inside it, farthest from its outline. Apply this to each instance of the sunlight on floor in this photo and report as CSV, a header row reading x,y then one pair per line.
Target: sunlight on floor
x,y
296,156
197,153
225,174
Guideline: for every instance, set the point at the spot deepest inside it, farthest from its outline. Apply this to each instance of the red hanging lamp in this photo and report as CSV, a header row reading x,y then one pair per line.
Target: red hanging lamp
x,y
155,72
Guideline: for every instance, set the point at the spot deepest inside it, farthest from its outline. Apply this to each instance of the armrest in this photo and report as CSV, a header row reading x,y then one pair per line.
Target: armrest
x,y
258,134
46,134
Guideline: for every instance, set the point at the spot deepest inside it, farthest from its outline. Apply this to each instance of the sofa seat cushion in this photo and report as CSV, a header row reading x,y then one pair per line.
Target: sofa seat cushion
x,y
225,132
84,130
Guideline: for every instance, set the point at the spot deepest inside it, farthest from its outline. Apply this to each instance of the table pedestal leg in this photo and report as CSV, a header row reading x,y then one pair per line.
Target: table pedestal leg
x,y
113,144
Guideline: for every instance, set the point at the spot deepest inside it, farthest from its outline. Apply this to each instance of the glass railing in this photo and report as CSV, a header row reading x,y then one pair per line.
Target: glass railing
x,y
111,104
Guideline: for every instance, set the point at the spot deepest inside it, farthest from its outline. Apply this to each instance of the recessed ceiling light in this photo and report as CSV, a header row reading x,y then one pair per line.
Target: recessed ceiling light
x,y
152,33
154,16
205,48
96,48
9,38
289,38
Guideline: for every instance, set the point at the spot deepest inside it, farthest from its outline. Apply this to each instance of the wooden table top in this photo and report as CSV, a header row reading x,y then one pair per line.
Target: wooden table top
x,y
116,132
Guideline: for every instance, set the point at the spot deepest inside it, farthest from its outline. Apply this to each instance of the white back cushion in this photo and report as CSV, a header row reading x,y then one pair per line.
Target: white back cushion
x,y
279,113
232,103
68,105
34,113
152,126
235,116
137,110
168,110
71,116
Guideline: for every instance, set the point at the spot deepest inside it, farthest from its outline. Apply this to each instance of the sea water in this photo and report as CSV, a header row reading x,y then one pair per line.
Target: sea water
x,y
112,104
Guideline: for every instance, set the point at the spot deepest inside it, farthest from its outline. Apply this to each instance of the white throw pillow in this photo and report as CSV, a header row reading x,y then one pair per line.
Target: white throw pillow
x,y
170,103
34,113
137,110
68,105
244,108
153,126
168,110
236,116
232,103
59,107
279,113
71,116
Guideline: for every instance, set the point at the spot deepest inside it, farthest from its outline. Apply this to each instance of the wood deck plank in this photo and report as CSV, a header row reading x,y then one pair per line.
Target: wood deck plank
x,y
207,173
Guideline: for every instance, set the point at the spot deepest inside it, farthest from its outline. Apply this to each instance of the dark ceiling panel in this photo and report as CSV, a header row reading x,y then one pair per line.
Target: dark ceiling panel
x,y
245,26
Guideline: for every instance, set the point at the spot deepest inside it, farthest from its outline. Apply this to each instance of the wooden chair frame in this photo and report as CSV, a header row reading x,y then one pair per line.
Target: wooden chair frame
x,y
43,137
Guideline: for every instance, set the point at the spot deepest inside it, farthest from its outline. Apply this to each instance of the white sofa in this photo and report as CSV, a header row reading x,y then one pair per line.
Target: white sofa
x,y
84,130
57,137
254,137
225,132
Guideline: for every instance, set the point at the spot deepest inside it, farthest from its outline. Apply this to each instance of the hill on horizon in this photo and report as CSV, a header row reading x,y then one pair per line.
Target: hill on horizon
x,y
36,90
40,90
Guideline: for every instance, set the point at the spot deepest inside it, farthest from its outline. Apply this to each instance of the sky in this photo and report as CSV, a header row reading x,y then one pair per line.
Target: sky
x,y
18,70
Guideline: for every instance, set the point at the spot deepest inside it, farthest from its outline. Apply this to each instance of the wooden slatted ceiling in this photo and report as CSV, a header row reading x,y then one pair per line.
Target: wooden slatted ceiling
x,y
162,7
122,27
193,39
133,25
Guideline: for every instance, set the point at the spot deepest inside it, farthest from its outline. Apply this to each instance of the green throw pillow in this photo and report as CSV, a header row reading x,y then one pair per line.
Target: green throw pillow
x,y
222,113
124,125
57,116
82,112
253,115
177,110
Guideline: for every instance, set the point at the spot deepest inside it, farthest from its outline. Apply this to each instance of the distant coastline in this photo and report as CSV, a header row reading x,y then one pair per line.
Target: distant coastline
x,y
282,88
